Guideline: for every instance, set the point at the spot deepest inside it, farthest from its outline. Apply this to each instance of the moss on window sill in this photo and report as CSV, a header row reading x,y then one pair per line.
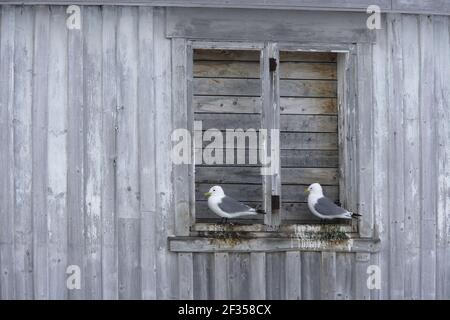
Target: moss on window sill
x,y
263,238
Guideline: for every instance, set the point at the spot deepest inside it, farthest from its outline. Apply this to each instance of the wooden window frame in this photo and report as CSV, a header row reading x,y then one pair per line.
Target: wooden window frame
x,y
360,233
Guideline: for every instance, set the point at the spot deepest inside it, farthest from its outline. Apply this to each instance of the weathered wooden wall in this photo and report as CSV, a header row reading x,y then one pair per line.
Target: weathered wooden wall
x,y
85,124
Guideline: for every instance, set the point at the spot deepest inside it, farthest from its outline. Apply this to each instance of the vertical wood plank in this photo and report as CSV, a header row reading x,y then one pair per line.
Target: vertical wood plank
x,y
7,25
328,276
56,154
362,262
310,275
203,276
396,161
265,140
109,220
345,263
128,248
257,275
127,161
275,136
186,275
92,60
428,190
275,280
190,125
127,156
23,81
147,151
442,96
293,275
221,283
180,121
39,132
239,276
75,156
167,282
352,137
347,131
270,120
365,139
381,138
411,84
342,128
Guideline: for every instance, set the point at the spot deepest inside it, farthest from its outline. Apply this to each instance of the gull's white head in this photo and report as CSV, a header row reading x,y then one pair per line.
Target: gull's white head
x,y
215,191
314,188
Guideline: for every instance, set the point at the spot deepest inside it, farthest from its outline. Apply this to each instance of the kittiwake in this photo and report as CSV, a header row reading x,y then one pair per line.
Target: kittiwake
x,y
323,207
227,207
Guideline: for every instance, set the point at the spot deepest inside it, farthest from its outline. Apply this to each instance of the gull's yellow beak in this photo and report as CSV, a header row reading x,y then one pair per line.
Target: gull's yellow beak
x,y
207,194
306,190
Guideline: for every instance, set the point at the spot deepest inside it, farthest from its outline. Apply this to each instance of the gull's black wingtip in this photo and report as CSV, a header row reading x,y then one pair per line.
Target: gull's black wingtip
x,y
260,211
356,215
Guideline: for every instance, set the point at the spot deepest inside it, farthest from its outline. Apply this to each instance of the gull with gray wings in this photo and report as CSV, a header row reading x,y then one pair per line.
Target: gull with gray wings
x,y
323,208
226,207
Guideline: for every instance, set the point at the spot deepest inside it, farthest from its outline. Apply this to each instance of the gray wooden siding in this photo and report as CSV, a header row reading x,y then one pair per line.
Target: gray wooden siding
x,y
85,123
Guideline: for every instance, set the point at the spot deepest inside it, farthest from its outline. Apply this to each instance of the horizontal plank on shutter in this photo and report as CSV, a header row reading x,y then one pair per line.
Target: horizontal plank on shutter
x,y
233,55
251,175
227,69
297,211
308,70
231,87
228,157
308,140
308,88
248,69
299,123
300,141
229,121
308,105
227,104
289,158
252,87
325,176
308,123
212,104
286,56
245,192
309,158
253,55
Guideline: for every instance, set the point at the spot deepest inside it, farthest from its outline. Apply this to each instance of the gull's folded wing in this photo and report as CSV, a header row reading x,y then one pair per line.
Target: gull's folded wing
x,y
230,205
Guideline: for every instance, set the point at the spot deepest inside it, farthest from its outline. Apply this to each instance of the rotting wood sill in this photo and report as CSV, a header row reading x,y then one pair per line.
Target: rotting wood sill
x,y
209,237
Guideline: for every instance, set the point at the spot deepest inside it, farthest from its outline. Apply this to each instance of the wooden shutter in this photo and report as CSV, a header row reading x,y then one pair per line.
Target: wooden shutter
x,y
308,130
227,95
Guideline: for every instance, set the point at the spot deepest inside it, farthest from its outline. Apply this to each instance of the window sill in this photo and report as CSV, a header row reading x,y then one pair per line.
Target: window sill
x,y
206,237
